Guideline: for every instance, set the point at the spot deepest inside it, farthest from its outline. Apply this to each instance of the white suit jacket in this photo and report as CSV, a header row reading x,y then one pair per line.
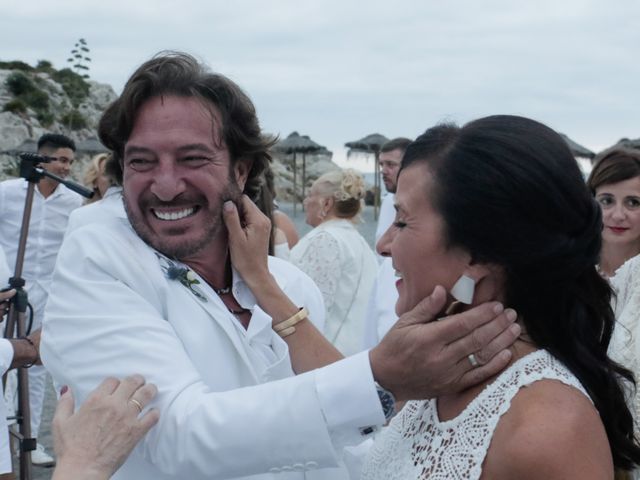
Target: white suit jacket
x,y
113,312
97,212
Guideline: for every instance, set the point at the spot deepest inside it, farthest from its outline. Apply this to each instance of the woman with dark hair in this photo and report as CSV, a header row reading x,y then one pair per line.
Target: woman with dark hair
x,y
497,211
615,183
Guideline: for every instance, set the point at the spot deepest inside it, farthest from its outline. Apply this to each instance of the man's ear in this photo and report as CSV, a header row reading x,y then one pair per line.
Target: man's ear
x,y
241,171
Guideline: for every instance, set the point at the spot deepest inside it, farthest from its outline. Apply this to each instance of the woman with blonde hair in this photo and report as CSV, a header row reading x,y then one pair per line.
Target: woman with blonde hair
x,y
336,256
96,179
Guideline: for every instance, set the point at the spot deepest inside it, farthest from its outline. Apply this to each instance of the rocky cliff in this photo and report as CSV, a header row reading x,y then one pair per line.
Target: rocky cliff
x,y
36,100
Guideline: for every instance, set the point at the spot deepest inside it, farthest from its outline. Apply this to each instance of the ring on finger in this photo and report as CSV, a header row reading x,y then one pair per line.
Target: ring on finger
x,y
136,404
473,360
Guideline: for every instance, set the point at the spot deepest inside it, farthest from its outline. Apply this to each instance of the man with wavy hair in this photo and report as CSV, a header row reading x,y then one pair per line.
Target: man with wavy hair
x,y
157,294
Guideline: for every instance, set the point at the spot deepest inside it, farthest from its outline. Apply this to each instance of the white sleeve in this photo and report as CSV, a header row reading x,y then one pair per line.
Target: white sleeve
x,y
96,326
321,261
6,356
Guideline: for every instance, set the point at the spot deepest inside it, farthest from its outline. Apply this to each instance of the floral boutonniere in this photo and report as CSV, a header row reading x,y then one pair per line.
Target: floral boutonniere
x,y
184,275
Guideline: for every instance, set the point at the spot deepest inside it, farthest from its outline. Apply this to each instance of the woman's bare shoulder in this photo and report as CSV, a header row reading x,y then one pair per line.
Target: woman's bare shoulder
x,y
551,431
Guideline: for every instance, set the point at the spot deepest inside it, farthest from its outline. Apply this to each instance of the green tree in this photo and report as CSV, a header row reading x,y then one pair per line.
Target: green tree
x,y
76,88
80,58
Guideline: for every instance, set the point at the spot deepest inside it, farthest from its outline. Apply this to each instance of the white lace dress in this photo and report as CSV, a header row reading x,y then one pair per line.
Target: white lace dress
x,y
625,344
339,260
417,445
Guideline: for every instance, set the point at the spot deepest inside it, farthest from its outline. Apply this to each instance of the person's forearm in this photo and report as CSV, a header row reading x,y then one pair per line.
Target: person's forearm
x,y
66,471
24,352
308,348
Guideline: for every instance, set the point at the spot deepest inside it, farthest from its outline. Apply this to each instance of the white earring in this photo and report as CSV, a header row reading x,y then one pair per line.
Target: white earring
x,y
464,289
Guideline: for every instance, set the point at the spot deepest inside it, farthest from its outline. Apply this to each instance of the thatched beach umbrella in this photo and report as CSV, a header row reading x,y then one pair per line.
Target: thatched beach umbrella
x,y
91,146
628,143
28,146
370,144
577,149
294,144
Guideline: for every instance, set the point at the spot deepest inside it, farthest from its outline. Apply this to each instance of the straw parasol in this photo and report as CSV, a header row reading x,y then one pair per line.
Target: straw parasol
x,y
628,143
294,144
370,144
91,146
28,146
576,149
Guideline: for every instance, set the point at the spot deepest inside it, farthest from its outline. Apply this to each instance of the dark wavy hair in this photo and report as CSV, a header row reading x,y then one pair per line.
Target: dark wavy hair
x,y
545,234
614,165
180,74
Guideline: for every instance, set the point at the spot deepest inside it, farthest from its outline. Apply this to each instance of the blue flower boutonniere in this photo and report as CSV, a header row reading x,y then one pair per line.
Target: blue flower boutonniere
x,y
184,275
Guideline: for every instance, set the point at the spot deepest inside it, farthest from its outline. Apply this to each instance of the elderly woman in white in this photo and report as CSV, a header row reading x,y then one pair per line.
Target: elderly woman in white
x,y
336,256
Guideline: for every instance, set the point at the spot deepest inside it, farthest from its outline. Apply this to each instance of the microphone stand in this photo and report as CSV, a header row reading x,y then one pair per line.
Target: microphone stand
x,y
31,171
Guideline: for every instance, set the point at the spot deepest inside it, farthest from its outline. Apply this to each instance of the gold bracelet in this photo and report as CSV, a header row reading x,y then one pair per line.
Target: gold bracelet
x,y
286,328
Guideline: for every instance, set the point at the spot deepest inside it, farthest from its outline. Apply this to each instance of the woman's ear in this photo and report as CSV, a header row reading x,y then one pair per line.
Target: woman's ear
x,y
465,287
327,203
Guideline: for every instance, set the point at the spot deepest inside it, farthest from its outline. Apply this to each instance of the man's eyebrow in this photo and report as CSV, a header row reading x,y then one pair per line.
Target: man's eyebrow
x,y
132,149
195,146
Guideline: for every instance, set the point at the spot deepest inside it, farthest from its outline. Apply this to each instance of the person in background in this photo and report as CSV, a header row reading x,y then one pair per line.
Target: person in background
x,y
52,205
14,352
615,184
266,201
336,257
389,161
95,178
381,309
108,204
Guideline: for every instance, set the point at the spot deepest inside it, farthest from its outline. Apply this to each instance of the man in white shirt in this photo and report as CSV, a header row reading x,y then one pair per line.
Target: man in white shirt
x,y
381,310
52,204
157,295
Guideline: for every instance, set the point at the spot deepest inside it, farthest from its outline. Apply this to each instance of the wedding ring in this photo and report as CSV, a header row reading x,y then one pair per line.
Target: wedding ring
x,y
136,404
473,360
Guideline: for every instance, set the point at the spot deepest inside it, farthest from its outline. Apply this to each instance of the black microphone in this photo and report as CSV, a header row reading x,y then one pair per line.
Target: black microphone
x,y
35,158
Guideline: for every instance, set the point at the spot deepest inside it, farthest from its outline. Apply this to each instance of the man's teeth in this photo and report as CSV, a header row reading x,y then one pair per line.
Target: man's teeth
x,y
398,274
174,215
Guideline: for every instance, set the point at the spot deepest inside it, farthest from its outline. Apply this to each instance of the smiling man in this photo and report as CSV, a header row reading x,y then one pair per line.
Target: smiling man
x,y
157,294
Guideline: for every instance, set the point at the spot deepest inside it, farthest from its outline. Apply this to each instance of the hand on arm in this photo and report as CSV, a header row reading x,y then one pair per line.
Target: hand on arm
x,y
94,442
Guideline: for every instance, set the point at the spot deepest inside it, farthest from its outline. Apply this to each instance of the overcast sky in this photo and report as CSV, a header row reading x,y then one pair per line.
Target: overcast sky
x,y
338,70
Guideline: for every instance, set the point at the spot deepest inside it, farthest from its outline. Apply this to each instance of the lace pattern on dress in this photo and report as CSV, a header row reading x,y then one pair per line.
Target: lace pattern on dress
x,y
321,262
417,445
625,347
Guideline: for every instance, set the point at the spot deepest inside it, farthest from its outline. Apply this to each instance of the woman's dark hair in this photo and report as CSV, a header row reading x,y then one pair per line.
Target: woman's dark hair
x,y
545,233
614,165
175,73
265,202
